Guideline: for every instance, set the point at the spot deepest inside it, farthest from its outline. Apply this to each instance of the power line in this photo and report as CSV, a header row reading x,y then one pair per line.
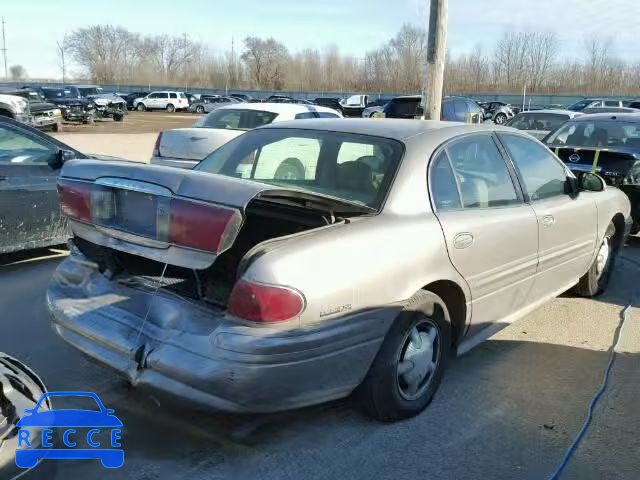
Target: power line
x,y
4,51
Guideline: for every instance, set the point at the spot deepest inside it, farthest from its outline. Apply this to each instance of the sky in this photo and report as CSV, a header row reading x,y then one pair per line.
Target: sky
x,y
355,26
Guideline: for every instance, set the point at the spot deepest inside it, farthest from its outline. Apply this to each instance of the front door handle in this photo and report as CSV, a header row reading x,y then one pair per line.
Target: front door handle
x,y
3,178
463,240
548,220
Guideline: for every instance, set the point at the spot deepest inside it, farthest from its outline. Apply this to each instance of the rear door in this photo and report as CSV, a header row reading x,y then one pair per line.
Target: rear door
x,y
29,212
491,234
567,225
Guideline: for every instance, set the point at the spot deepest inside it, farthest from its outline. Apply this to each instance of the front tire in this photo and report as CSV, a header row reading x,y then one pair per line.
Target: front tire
x,y
141,107
596,280
500,119
199,109
408,369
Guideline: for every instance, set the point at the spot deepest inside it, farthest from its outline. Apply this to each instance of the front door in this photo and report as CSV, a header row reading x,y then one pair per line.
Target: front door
x,y
567,225
29,211
491,234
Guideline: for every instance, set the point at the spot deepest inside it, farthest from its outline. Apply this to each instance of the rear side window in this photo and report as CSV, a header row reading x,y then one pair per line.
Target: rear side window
x,y
327,115
537,121
481,173
182,95
236,119
543,175
611,103
302,116
173,95
444,189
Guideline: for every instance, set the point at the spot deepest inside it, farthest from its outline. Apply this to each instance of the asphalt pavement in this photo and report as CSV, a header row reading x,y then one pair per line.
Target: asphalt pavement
x,y
508,409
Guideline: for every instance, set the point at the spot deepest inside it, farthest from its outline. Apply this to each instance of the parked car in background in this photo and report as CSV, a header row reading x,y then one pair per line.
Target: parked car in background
x,y
369,272
130,98
185,147
107,105
610,110
240,96
73,107
191,97
605,144
454,109
208,104
539,123
375,108
163,100
354,105
498,112
278,98
43,115
594,103
14,106
30,161
329,102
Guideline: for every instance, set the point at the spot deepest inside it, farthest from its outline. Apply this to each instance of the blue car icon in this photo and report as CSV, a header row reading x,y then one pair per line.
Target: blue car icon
x,y
104,418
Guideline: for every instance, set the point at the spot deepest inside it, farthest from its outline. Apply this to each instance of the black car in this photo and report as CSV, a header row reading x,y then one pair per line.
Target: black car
x,y
330,102
607,144
29,209
74,109
454,109
130,97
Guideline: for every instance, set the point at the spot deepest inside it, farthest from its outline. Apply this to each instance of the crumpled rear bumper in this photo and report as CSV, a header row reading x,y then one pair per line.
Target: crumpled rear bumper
x,y
193,352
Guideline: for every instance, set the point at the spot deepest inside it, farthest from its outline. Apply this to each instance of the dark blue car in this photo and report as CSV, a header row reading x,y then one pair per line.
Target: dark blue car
x,y
104,418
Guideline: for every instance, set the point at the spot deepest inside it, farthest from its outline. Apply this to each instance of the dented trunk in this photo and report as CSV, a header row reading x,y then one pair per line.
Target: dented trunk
x,y
137,222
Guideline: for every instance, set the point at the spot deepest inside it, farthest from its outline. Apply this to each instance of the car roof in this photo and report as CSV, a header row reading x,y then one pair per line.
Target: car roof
x,y
614,116
278,107
398,129
561,111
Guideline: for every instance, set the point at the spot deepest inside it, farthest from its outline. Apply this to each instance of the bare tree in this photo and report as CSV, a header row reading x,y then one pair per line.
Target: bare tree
x,y
17,72
541,51
266,61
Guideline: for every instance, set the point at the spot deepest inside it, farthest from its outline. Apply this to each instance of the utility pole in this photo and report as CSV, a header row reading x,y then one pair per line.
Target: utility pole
x,y
62,63
437,42
4,51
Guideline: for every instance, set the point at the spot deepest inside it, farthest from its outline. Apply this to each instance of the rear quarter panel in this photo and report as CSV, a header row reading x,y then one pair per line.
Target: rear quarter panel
x,y
372,262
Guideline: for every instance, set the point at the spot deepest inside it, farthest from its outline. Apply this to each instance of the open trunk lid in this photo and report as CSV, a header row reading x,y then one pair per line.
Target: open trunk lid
x,y
180,217
612,164
193,143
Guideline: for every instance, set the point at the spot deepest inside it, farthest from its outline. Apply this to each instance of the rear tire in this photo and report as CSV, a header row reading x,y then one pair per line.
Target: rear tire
x,y
118,117
596,280
171,108
387,392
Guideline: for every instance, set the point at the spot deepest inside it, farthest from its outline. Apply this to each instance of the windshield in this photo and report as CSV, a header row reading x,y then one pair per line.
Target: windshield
x,y
86,91
537,121
53,93
236,119
354,168
597,133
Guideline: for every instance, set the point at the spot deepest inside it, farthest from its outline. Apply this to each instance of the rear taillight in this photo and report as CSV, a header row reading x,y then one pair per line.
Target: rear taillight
x,y
203,227
156,146
75,199
264,303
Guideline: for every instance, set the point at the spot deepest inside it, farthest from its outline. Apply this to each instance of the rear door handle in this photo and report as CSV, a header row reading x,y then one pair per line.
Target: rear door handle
x,y
463,240
3,178
548,220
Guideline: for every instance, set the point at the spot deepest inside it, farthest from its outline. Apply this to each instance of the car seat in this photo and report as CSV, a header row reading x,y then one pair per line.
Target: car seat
x,y
357,177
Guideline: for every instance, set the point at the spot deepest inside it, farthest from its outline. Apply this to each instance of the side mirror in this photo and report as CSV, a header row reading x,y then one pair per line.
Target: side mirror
x,y
591,182
572,185
61,157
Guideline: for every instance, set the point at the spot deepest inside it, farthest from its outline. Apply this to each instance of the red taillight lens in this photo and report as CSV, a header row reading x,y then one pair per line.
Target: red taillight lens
x,y
203,227
264,303
156,147
75,199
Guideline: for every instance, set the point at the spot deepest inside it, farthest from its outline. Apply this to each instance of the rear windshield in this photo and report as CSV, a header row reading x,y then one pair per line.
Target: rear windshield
x,y
356,168
598,133
537,121
236,119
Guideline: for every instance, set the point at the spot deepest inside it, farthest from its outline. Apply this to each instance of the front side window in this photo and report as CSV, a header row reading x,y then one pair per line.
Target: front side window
x,y
352,167
17,148
481,173
327,115
304,115
543,175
